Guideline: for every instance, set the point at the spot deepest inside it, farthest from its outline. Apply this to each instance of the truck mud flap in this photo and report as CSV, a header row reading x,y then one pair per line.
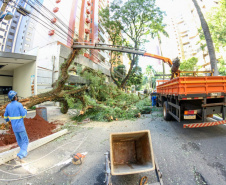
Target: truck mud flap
x,y
207,124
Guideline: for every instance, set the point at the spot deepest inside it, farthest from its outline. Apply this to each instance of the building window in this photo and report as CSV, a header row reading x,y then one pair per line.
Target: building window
x,y
13,27
8,47
14,21
26,45
1,29
27,39
2,47
10,40
90,30
29,33
4,23
91,20
10,33
1,36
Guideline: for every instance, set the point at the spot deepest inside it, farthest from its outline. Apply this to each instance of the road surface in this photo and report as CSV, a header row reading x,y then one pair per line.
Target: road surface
x,y
185,156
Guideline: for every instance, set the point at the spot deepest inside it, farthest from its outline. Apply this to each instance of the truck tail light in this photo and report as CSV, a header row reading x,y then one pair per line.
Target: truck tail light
x,y
190,112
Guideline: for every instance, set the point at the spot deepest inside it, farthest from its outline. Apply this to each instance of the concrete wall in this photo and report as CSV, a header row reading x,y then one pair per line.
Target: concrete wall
x,y
22,79
47,66
6,80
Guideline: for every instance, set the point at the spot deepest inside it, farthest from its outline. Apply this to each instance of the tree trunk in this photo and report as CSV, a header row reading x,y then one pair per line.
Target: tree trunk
x,y
209,41
129,72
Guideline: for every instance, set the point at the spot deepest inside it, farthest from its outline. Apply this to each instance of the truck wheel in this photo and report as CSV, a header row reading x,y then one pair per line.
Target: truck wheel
x,y
166,114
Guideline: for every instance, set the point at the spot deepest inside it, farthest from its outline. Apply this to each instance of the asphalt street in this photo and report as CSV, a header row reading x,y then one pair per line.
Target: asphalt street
x,y
185,156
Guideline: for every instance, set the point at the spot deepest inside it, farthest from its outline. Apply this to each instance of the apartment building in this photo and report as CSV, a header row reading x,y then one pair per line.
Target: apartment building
x,y
185,24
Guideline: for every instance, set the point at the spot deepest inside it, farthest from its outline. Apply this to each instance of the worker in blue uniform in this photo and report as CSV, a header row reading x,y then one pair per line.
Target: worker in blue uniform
x,y
15,112
153,98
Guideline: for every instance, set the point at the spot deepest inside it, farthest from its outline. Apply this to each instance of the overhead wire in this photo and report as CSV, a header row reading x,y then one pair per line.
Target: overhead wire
x,y
47,25
93,53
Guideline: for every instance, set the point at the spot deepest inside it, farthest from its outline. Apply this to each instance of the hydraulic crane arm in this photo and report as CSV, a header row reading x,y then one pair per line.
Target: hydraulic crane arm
x,y
174,65
164,59
123,50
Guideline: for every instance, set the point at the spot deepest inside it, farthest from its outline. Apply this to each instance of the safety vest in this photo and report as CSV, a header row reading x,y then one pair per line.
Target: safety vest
x,y
15,113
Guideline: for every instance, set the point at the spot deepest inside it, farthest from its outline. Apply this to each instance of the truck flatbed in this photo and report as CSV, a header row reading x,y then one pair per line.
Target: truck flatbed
x,y
196,87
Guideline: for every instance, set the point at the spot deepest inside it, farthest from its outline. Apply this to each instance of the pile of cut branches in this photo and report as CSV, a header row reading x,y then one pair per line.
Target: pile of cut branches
x,y
104,101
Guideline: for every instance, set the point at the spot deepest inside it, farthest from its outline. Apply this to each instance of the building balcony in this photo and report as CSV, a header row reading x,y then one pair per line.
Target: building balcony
x,y
87,31
56,9
51,32
87,11
53,20
88,3
87,20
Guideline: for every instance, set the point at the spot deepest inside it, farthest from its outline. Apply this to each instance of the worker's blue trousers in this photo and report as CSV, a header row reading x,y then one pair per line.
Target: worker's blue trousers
x,y
22,141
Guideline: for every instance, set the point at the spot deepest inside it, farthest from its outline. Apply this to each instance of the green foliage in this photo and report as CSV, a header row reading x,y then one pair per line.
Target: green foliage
x,y
222,67
136,77
120,72
138,18
216,19
32,108
189,65
107,101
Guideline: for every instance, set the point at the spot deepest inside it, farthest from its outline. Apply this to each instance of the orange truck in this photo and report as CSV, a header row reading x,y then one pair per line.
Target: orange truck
x,y
192,97
200,97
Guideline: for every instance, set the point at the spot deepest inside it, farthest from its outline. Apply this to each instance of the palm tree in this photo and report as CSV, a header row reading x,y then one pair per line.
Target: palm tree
x,y
150,71
209,41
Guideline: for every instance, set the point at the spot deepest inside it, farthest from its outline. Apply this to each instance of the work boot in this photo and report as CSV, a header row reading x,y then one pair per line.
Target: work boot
x,y
19,160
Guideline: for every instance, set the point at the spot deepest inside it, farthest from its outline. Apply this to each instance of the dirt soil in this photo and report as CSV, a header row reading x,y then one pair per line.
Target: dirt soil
x,y
36,128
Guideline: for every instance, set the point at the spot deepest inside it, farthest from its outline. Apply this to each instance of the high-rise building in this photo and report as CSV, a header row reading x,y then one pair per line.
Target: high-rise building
x,y
47,34
12,32
185,23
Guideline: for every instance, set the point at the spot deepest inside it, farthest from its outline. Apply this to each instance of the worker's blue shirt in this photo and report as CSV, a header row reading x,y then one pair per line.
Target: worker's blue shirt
x,y
15,113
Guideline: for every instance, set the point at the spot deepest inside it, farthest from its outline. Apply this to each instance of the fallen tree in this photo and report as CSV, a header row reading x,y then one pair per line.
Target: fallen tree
x,y
98,100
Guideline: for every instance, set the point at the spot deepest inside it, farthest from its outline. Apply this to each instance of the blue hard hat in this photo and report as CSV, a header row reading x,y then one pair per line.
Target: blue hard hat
x,y
11,94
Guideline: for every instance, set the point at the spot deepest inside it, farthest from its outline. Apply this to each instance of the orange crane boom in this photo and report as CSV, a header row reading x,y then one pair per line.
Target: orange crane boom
x,y
164,59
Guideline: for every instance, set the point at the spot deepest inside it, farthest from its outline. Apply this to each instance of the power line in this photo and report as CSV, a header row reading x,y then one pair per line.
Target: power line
x,y
47,25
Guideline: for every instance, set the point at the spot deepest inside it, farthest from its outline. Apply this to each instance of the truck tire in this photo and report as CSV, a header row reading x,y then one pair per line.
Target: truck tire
x,y
166,114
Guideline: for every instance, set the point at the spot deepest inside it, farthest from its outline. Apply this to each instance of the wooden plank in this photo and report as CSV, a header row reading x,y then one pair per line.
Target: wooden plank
x,y
12,154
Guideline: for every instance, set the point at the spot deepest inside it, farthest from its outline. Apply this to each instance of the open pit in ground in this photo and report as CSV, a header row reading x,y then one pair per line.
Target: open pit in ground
x,y
36,128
